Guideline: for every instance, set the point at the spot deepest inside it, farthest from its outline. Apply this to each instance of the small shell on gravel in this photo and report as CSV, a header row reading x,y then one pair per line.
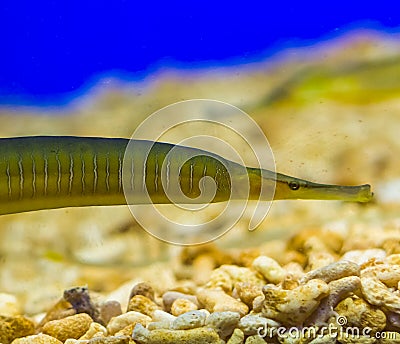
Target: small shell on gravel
x,y
292,307
74,326
215,300
37,339
199,335
118,323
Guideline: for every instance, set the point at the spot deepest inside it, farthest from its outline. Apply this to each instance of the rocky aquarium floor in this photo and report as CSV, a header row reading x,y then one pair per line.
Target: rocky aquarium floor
x,y
314,272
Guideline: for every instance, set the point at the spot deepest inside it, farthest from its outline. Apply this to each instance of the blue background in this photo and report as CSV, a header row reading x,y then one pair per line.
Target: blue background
x,y
51,51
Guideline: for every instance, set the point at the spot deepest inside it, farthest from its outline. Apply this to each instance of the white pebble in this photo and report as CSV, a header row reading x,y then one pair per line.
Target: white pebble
x,y
189,320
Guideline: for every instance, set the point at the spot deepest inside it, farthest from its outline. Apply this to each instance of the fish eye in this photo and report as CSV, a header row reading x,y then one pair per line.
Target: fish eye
x,y
294,185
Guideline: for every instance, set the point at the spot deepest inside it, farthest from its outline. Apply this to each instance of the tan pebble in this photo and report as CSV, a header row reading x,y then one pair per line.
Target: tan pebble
x,y
256,339
9,305
226,276
200,335
181,306
142,304
118,323
95,330
237,337
333,272
386,273
360,314
247,292
377,282
361,257
325,339
292,307
169,298
74,326
15,327
144,289
109,309
37,339
60,310
378,294
215,300
269,269
258,303
320,259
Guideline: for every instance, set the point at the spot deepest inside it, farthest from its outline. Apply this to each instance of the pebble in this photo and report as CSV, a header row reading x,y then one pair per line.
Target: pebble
x,y
338,290
360,314
9,305
269,269
247,292
142,304
169,298
189,320
95,330
74,326
109,309
144,289
292,307
226,276
215,300
200,335
37,339
332,272
181,306
15,327
223,322
118,323
159,315
237,337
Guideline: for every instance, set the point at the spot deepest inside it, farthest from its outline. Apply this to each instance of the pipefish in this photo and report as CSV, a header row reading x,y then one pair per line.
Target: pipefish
x,y
47,172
